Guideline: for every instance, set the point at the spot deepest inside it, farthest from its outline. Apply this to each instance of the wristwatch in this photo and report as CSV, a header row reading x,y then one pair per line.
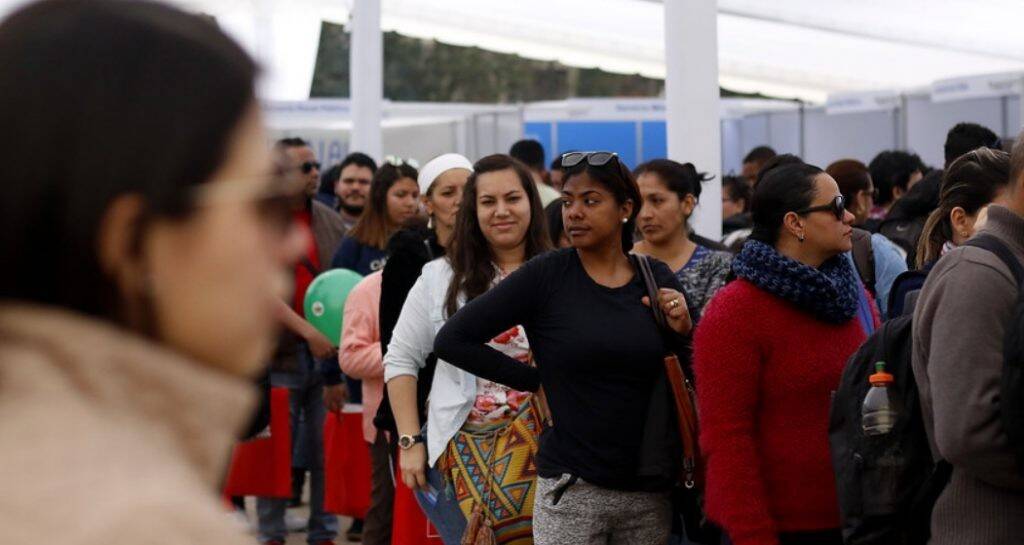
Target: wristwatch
x,y
406,442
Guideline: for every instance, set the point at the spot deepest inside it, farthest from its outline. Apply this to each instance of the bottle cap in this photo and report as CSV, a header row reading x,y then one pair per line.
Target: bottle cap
x,y
880,377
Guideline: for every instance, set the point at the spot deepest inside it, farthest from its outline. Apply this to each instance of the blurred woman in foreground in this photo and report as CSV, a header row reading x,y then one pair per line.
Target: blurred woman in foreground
x,y
145,245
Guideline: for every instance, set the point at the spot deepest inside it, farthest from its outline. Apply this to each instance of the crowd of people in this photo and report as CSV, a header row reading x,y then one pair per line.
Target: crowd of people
x,y
512,339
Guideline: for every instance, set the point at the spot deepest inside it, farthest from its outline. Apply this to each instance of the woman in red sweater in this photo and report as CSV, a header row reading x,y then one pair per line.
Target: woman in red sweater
x,y
768,354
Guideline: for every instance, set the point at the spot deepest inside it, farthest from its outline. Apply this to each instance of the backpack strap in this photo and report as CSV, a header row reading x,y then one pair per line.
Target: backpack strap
x,y
864,258
992,244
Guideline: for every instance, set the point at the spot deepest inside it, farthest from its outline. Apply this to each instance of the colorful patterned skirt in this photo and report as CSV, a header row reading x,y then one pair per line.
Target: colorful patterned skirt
x,y
493,465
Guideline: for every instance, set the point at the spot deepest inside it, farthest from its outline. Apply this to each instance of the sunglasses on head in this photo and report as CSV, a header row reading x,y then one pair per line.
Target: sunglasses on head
x,y
397,161
837,207
308,166
592,158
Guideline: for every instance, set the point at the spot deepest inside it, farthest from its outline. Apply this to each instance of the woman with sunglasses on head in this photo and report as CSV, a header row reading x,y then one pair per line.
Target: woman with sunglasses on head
x,y
136,310
770,348
499,227
878,260
598,352
670,191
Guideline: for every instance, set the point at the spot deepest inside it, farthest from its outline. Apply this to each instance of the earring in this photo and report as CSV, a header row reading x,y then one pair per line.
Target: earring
x,y
625,220
800,237
430,221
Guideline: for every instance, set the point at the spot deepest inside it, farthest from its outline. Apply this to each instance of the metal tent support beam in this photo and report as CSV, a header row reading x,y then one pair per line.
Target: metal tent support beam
x,y
367,78
692,100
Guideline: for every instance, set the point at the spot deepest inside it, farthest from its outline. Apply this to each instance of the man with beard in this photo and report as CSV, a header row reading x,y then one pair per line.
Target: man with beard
x,y
352,186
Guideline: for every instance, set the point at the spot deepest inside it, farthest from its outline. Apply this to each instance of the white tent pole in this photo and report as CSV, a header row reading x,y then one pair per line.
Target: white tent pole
x,y
366,75
692,102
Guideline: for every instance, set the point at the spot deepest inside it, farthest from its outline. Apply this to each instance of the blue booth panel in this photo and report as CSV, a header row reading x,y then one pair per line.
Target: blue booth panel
x,y
655,143
541,132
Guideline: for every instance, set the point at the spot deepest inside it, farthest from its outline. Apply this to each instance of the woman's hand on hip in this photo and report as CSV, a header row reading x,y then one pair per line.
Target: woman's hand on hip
x,y
673,305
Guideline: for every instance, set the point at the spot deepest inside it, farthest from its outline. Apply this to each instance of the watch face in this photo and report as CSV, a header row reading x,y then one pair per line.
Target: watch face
x,y
405,441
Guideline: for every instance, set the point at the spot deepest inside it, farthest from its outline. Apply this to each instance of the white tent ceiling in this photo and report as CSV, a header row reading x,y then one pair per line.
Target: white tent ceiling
x,y
798,48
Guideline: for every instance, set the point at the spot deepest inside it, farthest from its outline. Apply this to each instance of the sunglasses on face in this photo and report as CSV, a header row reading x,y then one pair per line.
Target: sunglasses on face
x,y
309,166
837,207
592,158
275,199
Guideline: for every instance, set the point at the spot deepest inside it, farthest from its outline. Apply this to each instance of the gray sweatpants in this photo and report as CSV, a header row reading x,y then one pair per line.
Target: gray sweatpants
x,y
585,514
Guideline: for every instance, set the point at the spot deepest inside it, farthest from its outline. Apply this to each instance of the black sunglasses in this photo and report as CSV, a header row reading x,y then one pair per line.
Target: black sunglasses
x,y
837,207
592,158
308,166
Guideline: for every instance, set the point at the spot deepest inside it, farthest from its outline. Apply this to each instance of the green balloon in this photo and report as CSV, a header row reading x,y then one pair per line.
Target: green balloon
x,y
325,301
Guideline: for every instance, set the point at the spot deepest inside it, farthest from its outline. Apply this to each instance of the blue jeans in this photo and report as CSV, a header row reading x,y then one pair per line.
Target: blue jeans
x,y
439,504
305,390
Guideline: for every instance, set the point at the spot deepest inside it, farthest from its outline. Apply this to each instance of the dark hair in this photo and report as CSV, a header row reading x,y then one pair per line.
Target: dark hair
x,y
328,179
760,154
469,253
359,159
778,160
965,137
168,87
291,142
783,187
737,189
556,227
373,227
680,178
851,175
556,163
970,182
892,169
615,177
529,152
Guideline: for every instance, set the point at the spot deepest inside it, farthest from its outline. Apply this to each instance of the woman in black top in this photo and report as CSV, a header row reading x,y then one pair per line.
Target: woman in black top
x,y
598,353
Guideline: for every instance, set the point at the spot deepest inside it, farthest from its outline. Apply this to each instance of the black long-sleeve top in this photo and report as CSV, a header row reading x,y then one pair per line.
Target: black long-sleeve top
x,y
410,249
598,352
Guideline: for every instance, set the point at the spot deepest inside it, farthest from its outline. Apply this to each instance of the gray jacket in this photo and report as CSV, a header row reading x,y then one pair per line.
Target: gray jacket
x,y
959,324
327,232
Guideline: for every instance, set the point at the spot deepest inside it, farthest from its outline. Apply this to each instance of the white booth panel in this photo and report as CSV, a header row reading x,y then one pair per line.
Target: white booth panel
x,y
860,135
784,130
928,122
732,146
755,132
1013,121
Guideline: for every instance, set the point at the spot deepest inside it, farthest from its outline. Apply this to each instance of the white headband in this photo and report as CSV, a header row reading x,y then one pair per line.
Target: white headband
x,y
438,166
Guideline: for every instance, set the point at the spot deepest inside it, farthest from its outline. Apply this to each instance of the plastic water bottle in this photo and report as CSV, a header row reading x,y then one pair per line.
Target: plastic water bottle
x,y
881,408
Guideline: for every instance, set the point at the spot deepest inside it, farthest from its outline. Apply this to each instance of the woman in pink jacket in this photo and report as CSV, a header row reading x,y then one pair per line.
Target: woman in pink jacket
x,y
360,358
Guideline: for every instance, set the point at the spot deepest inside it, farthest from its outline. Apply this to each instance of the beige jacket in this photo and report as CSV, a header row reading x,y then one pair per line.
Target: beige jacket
x,y
108,439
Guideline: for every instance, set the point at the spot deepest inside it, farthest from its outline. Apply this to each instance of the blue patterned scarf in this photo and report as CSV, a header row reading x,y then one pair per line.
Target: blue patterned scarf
x,y
829,292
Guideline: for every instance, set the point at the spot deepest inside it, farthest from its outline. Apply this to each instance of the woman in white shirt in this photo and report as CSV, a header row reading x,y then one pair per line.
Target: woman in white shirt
x,y
500,226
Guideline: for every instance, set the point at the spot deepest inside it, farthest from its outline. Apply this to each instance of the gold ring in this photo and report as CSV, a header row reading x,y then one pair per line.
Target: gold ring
x,y
674,303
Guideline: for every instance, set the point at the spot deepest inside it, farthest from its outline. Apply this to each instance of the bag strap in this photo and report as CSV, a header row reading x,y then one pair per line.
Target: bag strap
x,y
643,267
992,244
308,264
864,258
